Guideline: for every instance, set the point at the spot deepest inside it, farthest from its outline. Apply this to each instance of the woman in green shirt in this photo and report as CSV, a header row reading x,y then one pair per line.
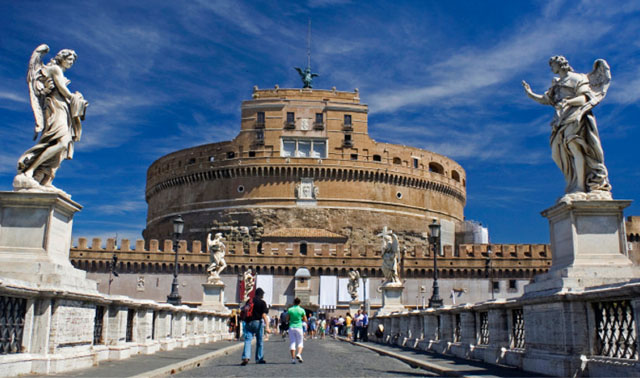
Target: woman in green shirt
x,y
296,315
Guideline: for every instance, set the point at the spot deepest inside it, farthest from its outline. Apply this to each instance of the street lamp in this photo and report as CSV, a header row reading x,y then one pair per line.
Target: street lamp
x,y
174,298
434,237
489,270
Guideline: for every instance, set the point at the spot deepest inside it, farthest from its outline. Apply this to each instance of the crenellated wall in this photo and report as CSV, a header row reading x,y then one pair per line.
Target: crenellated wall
x,y
469,261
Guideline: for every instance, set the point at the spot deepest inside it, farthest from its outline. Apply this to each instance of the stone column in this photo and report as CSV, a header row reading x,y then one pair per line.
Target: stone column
x,y
213,297
391,299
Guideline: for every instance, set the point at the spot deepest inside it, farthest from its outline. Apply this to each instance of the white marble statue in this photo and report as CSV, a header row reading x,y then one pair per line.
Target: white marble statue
x,y
217,250
390,258
575,142
353,284
58,115
249,282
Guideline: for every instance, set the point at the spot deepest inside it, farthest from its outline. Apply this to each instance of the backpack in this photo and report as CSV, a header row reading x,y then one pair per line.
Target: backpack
x,y
246,311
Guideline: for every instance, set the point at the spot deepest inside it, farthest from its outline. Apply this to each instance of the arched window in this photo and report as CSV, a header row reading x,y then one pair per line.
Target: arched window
x,y
303,248
436,168
397,161
455,175
377,158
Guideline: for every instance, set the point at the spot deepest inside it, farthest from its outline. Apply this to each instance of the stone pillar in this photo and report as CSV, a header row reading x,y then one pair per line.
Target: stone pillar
x,y
391,299
35,239
354,306
588,246
213,297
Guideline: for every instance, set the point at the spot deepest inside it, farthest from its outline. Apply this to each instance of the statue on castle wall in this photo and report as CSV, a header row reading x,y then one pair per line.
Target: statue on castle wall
x,y
390,258
575,142
353,284
306,76
217,250
58,114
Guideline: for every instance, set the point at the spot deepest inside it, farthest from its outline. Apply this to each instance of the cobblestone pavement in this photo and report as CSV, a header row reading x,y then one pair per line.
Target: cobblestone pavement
x,y
322,358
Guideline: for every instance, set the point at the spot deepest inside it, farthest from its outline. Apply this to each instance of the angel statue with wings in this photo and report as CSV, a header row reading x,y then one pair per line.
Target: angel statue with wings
x,y
390,258
58,115
217,249
575,142
306,76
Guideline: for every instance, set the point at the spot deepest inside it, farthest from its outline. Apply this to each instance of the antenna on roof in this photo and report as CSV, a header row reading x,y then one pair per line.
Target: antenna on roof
x,y
306,75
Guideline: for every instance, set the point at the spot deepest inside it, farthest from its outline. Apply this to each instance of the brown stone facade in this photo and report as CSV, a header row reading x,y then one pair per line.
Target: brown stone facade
x,y
304,159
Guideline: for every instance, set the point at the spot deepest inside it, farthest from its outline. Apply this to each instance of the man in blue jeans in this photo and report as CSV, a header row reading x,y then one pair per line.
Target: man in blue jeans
x,y
254,327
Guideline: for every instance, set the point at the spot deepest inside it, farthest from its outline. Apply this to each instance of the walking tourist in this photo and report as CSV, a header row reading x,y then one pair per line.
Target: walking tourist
x,y
323,328
254,327
313,325
296,316
347,324
284,325
359,323
365,326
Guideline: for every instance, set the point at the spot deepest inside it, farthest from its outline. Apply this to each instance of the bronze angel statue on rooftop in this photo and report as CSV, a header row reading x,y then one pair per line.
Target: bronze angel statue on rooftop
x,y
575,142
306,76
58,114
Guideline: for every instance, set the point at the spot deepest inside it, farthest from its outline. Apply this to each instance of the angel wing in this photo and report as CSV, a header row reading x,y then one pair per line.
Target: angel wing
x,y
394,243
300,72
599,80
37,86
314,75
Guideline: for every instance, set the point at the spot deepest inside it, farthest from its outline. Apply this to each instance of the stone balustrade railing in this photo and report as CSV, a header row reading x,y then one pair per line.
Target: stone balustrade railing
x,y
590,333
45,330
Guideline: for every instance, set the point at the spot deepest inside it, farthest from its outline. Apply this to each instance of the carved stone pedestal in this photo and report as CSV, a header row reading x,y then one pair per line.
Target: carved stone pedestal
x,y
35,238
588,245
213,297
354,306
391,300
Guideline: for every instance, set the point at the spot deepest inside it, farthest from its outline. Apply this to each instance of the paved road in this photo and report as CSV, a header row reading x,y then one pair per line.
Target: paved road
x,y
322,358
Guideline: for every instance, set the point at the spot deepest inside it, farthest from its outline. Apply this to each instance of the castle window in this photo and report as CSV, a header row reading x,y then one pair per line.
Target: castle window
x,y
377,158
304,147
319,118
354,156
396,160
303,248
212,159
291,120
416,163
260,119
191,161
260,136
513,285
436,168
231,155
252,154
496,286
455,175
347,119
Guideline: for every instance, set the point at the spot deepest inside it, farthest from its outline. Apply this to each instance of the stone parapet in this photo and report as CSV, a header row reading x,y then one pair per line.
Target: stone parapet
x,y
590,333
64,330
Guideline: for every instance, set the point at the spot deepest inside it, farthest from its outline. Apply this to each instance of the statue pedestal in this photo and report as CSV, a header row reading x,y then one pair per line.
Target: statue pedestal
x,y
35,238
391,300
354,306
213,297
589,247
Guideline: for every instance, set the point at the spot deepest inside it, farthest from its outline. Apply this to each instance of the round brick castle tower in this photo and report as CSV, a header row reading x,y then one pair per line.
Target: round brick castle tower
x,y
304,160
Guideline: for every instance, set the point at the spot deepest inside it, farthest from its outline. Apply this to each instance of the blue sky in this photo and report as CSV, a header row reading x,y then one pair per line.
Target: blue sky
x,y
440,75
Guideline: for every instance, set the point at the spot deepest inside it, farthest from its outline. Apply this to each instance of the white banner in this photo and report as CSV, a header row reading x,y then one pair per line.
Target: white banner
x,y
265,282
328,292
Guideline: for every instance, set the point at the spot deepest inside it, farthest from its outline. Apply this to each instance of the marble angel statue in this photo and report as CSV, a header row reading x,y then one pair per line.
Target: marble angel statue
x,y
390,258
353,284
575,142
217,250
58,114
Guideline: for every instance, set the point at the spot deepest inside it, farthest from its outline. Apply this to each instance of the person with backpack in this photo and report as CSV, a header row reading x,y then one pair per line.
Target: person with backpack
x,y
296,315
254,315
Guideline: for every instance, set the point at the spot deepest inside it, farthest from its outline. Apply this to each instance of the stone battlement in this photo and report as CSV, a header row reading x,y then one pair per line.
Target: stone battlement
x,y
512,260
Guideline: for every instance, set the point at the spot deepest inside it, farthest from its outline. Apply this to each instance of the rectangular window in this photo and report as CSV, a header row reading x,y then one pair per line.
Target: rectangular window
x,y
319,118
313,148
347,138
347,119
260,118
252,154
259,135
513,285
416,163
354,156
288,148
291,117
304,149
496,286
319,149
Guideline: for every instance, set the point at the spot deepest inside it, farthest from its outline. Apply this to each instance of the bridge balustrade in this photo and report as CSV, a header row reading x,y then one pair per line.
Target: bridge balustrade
x,y
589,333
